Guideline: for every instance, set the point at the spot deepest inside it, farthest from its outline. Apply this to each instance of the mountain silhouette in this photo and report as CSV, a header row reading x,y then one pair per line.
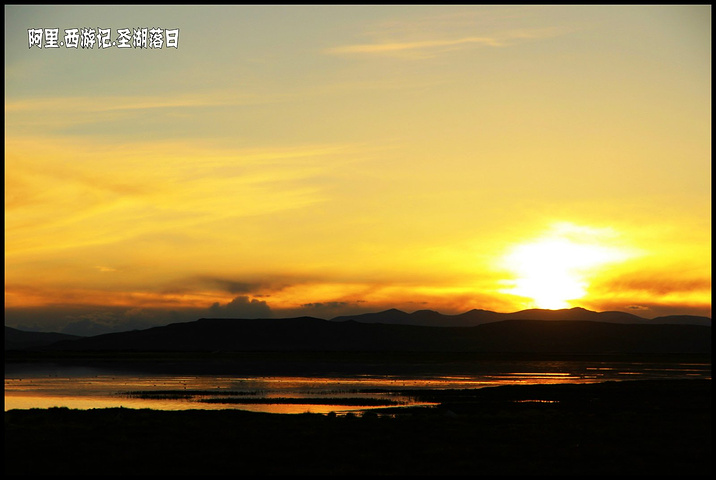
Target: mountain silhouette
x,y
19,339
516,335
478,317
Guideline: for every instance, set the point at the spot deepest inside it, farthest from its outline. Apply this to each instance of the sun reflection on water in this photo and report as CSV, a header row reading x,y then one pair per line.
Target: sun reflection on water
x,y
87,389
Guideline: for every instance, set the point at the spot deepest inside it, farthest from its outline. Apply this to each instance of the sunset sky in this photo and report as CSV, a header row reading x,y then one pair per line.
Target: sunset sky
x,y
329,160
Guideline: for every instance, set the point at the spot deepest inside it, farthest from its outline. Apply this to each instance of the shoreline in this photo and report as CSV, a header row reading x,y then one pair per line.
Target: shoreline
x,y
639,427
319,363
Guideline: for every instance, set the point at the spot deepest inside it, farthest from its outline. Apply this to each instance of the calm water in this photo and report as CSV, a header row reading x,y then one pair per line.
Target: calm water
x,y
56,385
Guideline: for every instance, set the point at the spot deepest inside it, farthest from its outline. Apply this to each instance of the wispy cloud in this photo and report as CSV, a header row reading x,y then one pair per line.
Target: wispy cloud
x,y
94,104
432,36
60,190
421,45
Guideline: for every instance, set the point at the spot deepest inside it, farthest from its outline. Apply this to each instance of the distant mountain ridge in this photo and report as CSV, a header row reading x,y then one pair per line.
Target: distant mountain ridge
x,y
514,335
19,339
423,330
479,317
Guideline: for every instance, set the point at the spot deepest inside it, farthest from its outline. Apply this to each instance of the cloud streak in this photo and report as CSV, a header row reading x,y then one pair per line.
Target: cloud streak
x,y
440,42
422,45
109,103
55,190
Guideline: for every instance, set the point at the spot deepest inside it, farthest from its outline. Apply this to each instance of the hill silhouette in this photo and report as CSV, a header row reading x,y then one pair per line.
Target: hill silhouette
x,y
479,317
19,339
314,334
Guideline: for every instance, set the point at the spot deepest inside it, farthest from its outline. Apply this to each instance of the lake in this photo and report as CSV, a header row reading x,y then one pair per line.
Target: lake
x,y
341,390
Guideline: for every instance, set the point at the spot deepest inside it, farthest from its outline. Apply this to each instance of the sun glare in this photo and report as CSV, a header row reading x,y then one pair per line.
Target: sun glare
x,y
554,270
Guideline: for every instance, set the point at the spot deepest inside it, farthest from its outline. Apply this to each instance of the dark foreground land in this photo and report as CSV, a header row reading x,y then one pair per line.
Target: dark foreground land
x,y
614,428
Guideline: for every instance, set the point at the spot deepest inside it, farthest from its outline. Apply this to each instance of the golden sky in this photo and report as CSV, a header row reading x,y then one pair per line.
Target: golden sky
x,y
325,160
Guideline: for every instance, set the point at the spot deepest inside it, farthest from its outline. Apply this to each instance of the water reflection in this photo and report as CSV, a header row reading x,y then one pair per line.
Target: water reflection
x,y
81,387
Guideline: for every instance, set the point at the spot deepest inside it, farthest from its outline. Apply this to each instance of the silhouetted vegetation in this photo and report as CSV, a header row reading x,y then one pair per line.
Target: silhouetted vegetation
x,y
172,394
360,402
612,428
229,397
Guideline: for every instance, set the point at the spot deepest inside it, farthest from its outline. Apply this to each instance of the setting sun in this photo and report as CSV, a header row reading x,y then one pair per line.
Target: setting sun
x,y
555,269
